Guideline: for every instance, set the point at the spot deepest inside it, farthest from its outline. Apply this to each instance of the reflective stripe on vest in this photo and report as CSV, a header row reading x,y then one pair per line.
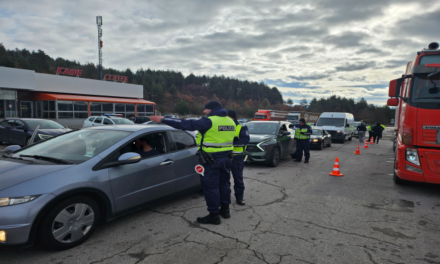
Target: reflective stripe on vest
x,y
299,136
220,136
238,149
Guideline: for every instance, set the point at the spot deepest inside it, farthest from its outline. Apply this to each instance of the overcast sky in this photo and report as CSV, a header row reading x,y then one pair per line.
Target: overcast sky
x,y
313,48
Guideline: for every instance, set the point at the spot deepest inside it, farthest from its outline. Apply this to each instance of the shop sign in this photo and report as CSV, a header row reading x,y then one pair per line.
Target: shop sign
x,y
116,78
67,71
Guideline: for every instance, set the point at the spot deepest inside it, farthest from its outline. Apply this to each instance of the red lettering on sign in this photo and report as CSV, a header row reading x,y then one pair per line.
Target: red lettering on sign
x,y
115,78
66,71
59,69
72,72
80,72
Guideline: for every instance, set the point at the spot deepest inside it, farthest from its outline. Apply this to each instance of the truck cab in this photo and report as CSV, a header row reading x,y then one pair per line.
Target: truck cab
x,y
416,96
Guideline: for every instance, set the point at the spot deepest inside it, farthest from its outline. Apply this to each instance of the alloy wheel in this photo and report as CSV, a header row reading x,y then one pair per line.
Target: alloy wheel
x,y
73,222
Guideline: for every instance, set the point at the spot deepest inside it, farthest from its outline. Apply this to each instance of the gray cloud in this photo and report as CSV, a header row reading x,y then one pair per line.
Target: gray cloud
x,y
356,67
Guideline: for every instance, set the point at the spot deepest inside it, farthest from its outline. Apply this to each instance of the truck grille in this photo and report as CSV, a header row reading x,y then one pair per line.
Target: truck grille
x,y
333,133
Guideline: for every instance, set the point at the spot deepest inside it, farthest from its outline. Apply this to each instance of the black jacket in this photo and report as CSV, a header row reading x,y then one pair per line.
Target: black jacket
x,y
362,128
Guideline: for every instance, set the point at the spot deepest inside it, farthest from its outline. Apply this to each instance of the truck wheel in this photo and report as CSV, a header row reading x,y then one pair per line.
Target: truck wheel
x,y
275,157
351,137
69,223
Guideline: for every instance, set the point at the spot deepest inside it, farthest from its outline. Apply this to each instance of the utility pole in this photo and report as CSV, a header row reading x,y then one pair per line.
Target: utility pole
x,y
99,23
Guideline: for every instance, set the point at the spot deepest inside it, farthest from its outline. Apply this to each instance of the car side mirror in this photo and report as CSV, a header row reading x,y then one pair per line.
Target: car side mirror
x,y
286,133
11,149
347,125
129,158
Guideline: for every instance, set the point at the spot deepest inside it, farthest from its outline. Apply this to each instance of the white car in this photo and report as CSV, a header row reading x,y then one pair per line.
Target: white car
x,y
106,120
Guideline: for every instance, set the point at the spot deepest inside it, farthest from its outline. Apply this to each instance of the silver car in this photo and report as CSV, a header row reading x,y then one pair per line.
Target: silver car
x,y
55,192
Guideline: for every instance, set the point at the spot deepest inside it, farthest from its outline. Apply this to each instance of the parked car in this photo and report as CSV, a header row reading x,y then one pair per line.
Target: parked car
x,y
320,139
355,131
143,119
56,192
19,130
106,120
270,141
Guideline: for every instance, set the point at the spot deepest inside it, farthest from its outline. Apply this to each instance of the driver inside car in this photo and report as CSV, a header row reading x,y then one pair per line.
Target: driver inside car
x,y
144,149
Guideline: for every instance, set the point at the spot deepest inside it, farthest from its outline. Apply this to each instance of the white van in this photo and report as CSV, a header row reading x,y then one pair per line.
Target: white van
x,y
339,125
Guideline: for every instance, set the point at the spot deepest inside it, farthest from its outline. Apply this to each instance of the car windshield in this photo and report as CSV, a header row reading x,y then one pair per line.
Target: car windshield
x,y
122,121
262,128
44,124
259,117
292,118
317,132
82,145
339,122
357,124
426,90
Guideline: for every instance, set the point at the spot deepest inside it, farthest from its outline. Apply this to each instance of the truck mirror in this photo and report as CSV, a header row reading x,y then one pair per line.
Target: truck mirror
x,y
393,102
394,87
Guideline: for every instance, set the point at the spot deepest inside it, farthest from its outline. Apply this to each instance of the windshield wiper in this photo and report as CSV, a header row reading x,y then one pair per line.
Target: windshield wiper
x,y
11,157
57,160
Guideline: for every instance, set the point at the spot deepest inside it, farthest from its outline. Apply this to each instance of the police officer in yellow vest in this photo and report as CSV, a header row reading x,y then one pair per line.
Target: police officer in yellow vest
x,y
302,137
241,140
216,137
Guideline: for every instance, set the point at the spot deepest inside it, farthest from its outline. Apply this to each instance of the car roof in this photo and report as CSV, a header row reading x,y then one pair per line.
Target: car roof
x,y
131,128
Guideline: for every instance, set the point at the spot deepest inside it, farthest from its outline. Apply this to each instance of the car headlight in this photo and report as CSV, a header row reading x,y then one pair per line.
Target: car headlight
x,y
412,156
315,140
17,200
44,137
339,131
263,146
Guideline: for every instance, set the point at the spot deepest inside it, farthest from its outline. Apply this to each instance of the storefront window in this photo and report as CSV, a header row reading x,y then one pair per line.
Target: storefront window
x,y
65,114
120,108
95,107
11,108
8,94
81,106
140,108
65,106
107,107
145,110
129,108
71,109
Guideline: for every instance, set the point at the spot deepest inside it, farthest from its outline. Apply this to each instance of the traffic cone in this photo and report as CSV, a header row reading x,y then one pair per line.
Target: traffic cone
x,y
357,152
336,171
371,141
366,143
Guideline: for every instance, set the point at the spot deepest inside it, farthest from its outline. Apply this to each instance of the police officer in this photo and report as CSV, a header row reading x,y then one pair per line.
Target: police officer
x,y
370,132
217,132
302,137
240,141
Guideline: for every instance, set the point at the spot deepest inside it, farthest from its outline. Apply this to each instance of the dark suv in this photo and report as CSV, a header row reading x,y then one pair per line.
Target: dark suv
x,y
270,141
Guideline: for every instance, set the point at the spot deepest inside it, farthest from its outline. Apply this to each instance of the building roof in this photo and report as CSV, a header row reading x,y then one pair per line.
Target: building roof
x,y
70,97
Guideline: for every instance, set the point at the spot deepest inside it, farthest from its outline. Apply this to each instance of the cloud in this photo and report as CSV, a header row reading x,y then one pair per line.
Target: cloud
x,y
356,67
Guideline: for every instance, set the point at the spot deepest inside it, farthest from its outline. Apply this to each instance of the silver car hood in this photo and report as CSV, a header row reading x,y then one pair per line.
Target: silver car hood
x,y
13,173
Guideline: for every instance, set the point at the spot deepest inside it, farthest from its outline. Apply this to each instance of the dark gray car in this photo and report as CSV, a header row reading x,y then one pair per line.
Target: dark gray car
x,y
57,191
270,141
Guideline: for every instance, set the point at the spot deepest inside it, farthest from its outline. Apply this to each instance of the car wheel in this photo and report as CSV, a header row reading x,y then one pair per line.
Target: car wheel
x,y
329,143
343,140
275,157
69,223
321,147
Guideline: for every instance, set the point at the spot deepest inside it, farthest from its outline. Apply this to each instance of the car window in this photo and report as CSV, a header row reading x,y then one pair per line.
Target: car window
x,y
183,140
107,121
316,132
157,141
19,123
44,124
98,120
283,128
83,145
8,123
92,118
262,128
11,123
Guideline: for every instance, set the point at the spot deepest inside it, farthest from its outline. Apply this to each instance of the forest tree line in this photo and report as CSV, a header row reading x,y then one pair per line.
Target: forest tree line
x,y
175,93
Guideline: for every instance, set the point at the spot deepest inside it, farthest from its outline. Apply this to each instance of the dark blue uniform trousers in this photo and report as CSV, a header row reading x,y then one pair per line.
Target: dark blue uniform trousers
x,y
302,145
237,167
216,185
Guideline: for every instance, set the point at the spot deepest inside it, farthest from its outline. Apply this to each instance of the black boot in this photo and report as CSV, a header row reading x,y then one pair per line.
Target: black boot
x,y
224,211
212,219
240,202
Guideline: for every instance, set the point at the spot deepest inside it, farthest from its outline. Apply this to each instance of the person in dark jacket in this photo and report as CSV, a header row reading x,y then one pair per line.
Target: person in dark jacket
x,y
377,129
302,137
216,179
241,140
361,132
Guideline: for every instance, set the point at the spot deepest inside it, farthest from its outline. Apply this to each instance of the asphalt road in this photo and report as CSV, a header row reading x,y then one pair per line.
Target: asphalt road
x,y
295,213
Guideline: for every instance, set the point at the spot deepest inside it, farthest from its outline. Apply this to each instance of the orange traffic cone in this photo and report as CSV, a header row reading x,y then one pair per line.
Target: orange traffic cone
x,y
335,171
357,152
366,143
371,141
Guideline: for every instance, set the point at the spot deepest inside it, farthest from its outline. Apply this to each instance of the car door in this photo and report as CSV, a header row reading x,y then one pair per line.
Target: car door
x,y
107,121
292,143
284,140
148,180
5,130
185,149
19,133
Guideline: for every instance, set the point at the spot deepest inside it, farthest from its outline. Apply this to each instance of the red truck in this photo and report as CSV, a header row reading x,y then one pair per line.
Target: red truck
x,y
270,115
416,96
